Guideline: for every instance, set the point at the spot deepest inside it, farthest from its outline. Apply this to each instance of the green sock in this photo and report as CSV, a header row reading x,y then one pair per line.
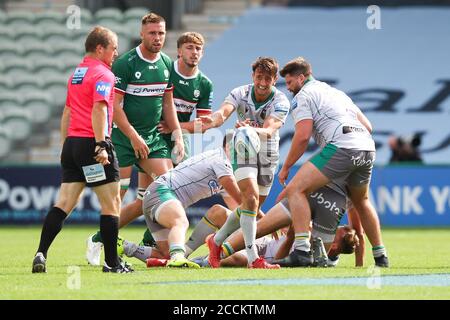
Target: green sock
x,y
147,239
97,237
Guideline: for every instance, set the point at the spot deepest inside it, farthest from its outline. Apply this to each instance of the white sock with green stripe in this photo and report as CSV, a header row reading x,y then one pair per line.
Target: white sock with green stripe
x,y
302,241
204,228
176,250
230,226
227,250
379,251
248,226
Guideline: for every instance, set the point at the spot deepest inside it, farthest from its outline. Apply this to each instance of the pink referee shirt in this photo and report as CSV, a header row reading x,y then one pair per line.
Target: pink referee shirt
x,y
92,81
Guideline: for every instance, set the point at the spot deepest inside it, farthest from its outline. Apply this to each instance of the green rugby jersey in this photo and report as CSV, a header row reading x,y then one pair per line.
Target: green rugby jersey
x,y
191,93
143,83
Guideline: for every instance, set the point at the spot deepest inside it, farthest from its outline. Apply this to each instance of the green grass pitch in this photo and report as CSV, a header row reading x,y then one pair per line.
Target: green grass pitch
x,y
411,252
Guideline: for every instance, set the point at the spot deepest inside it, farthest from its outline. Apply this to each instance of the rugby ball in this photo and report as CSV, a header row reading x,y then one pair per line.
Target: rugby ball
x,y
246,142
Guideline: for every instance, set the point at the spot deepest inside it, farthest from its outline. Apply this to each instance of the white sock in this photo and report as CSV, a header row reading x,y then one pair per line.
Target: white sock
x,y
248,226
302,241
143,253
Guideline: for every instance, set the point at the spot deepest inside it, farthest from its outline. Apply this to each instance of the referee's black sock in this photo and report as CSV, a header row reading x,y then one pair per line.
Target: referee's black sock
x,y
109,229
53,224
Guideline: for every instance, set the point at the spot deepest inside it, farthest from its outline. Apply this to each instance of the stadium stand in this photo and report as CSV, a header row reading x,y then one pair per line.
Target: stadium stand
x,y
38,52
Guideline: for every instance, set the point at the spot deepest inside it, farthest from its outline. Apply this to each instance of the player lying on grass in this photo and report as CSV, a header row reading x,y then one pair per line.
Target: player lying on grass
x,y
345,242
328,206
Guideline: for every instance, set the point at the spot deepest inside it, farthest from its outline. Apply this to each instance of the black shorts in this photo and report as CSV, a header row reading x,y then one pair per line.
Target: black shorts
x,y
78,155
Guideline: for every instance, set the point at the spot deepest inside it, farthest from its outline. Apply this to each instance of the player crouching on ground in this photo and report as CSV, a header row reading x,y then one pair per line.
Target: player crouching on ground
x,y
167,197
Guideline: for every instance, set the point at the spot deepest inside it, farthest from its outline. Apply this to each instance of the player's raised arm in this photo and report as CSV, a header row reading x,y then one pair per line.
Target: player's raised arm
x,y
219,117
271,125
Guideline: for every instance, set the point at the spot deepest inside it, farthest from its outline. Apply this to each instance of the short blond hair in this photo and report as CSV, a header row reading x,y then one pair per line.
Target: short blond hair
x,y
152,18
190,37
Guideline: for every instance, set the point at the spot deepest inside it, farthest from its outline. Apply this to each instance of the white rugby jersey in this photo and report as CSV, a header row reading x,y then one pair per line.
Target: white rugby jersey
x,y
276,106
334,117
197,177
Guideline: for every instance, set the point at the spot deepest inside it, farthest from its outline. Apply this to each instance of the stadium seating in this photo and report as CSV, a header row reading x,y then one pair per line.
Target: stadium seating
x,y
46,67
56,85
49,18
19,18
5,140
86,17
54,33
35,51
27,33
9,49
134,14
38,53
17,66
18,122
2,17
22,83
9,99
108,15
68,50
5,83
6,33
39,104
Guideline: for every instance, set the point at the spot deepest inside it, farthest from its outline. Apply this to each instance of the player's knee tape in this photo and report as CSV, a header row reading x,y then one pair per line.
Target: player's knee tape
x,y
140,193
125,183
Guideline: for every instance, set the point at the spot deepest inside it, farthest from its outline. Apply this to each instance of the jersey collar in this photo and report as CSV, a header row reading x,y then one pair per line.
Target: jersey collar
x,y
175,67
259,104
138,50
88,59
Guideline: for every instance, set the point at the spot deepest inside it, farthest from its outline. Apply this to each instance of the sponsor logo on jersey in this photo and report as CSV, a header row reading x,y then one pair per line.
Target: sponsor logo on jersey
x,y
196,93
117,80
294,104
79,75
184,106
214,186
320,199
185,83
146,90
279,108
153,67
166,73
103,88
137,75
348,129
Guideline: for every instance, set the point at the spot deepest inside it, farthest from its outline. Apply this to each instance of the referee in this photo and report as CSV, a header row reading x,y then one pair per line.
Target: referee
x,y
88,157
